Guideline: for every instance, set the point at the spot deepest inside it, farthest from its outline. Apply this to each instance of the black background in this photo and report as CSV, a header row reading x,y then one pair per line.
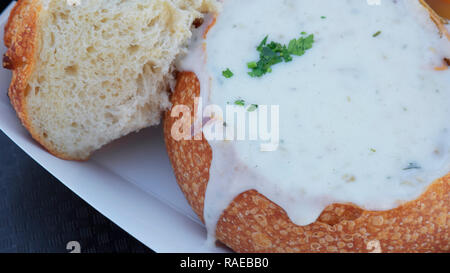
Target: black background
x,y
40,214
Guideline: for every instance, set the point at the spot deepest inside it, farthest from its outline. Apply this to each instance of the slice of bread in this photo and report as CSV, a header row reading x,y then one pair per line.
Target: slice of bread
x,y
88,72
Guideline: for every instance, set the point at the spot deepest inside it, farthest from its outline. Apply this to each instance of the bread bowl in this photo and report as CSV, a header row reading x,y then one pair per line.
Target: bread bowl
x,y
251,209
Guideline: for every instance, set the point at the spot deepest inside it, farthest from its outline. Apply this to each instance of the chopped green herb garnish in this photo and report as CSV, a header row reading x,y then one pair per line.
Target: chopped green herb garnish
x,y
240,102
323,17
273,53
262,44
252,107
252,65
299,47
376,34
227,73
412,166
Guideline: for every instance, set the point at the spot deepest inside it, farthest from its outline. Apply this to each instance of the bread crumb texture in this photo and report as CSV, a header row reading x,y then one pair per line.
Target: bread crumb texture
x,y
252,223
88,73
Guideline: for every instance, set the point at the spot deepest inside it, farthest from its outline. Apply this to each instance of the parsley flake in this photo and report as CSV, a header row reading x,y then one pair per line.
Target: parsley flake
x,y
227,73
240,102
376,34
274,53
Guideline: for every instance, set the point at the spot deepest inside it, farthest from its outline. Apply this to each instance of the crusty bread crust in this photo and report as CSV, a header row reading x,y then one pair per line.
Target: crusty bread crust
x,y
22,40
438,20
252,223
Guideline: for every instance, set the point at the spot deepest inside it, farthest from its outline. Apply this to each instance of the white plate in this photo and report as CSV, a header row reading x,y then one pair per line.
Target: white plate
x,y
130,181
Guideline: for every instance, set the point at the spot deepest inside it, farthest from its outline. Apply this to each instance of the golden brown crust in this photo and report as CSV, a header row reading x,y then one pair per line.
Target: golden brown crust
x,y
252,223
192,170
22,40
438,20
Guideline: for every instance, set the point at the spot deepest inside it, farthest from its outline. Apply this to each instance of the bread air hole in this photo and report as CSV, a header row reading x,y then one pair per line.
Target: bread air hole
x,y
52,39
146,108
27,90
111,118
132,49
198,22
63,16
90,49
150,68
140,7
106,34
71,70
140,85
41,79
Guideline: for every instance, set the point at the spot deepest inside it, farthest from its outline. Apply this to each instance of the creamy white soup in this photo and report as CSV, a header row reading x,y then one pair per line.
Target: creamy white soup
x,y
364,115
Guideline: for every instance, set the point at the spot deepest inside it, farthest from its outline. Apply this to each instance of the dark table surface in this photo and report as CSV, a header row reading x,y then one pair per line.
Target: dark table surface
x,y
39,214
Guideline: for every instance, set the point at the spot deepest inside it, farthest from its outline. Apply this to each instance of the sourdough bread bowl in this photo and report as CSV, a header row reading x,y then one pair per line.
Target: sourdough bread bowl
x,y
88,72
247,203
